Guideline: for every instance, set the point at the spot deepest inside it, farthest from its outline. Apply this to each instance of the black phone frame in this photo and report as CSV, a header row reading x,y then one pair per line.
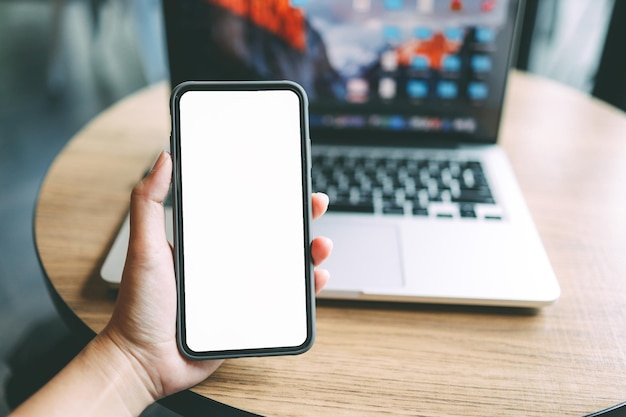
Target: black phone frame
x,y
177,198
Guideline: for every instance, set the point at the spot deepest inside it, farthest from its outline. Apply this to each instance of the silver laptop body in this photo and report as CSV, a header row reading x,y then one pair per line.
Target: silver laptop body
x,y
406,99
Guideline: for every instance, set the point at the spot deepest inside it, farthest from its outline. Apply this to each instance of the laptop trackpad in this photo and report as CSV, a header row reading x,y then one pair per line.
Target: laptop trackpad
x,y
364,256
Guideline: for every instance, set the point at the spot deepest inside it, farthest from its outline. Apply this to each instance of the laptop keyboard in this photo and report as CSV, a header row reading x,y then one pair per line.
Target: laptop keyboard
x,y
397,186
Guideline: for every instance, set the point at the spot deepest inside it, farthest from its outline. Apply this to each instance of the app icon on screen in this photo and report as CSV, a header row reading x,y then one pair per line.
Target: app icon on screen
x,y
454,34
389,61
481,63
477,90
420,62
485,35
425,6
487,5
393,4
456,5
357,89
451,63
361,5
447,90
423,33
417,89
391,34
397,122
387,88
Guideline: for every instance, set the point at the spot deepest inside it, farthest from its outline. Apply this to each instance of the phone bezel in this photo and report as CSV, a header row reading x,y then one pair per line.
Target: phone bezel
x,y
177,198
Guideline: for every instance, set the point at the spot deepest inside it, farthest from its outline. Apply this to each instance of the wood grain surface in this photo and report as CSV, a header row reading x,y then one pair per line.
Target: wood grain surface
x,y
569,359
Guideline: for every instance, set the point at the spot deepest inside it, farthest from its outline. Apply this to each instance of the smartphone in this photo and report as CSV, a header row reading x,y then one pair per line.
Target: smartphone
x,y
242,209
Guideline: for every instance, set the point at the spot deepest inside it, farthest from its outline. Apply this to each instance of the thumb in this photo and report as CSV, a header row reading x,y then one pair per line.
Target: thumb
x,y
147,214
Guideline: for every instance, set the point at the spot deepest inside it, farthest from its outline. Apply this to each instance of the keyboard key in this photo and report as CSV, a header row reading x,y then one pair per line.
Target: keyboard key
x,y
393,209
444,209
354,208
467,211
420,211
474,196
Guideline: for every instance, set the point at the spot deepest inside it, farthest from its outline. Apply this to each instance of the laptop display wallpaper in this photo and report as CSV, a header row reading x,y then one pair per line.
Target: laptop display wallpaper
x,y
420,66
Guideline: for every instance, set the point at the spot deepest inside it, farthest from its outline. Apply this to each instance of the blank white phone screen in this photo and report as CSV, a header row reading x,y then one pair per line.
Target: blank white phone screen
x,y
243,227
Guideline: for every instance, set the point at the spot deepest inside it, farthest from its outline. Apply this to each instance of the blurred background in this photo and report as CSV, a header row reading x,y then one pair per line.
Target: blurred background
x,y
63,61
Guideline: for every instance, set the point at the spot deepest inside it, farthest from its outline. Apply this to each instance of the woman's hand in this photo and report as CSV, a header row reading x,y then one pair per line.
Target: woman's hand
x,y
144,321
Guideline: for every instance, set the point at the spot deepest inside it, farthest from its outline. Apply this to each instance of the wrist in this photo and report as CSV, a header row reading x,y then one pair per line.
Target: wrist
x,y
128,381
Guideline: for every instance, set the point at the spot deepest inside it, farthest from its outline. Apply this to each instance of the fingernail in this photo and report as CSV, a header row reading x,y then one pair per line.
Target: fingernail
x,y
324,197
159,161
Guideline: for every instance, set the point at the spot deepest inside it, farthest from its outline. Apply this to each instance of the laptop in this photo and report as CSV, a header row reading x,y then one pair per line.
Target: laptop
x,y
406,98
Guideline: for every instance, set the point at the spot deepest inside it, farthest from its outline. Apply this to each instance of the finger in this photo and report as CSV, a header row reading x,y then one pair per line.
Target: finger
x,y
320,249
319,204
157,182
321,279
147,214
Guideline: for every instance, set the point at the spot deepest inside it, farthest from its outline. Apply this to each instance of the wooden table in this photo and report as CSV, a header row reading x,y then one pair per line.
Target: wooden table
x,y
569,153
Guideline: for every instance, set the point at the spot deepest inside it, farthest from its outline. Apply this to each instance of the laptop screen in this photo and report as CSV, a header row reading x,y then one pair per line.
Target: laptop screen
x,y
374,70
